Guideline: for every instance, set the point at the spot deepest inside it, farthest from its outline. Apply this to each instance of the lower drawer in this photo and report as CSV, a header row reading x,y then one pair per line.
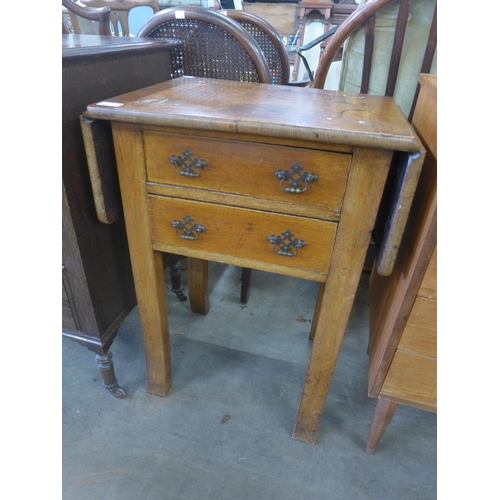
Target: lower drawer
x,y
240,233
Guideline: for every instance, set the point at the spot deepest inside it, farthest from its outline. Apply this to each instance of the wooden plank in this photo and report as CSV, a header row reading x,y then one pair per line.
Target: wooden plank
x,y
420,333
280,15
412,380
428,288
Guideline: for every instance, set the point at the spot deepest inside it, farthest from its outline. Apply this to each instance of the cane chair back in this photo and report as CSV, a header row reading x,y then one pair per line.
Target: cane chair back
x,y
269,41
213,46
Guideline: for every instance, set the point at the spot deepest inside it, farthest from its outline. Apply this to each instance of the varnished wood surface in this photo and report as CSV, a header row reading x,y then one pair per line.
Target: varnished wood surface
x,y
95,255
392,298
76,46
255,173
428,288
239,233
333,117
412,380
265,117
420,333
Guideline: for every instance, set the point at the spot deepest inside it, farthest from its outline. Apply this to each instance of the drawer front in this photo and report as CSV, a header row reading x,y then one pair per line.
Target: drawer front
x,y
241,233
251,169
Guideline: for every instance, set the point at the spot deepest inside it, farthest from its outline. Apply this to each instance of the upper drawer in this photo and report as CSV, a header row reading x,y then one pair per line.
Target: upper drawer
x,y
251,169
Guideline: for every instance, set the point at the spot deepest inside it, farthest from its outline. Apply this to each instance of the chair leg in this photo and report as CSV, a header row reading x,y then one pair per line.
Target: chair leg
x,y
384,411
175,276
246,277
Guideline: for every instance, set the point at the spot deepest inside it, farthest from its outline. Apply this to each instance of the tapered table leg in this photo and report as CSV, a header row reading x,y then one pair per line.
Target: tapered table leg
x,y
384,411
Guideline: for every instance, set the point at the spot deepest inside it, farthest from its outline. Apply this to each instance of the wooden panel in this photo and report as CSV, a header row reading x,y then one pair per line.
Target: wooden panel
x,y
241,233
420,333
249,169
428,288
68,321
281,16
412,380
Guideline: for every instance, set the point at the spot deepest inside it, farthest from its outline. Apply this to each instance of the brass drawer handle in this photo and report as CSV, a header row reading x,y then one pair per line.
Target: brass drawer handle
x,y
295,180
286,244
187,165
187,228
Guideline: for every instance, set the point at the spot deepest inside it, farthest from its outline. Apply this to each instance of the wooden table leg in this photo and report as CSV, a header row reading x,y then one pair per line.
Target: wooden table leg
x,y
199,300
384,411
362,198
147,264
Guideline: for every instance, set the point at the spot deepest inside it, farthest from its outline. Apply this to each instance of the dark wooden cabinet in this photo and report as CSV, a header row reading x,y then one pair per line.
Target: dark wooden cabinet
x,y
97,284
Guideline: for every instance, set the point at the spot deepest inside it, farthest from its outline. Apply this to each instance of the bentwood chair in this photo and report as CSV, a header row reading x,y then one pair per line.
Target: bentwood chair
x,y
100,16
121,11
269,41
213,46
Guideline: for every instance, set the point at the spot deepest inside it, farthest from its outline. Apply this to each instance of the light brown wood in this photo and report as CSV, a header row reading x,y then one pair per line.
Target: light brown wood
x,y
428,288
258,115
199,299
241,233
403,307
254,177
384,411
363,195
420,333
280,15
147,264
412,379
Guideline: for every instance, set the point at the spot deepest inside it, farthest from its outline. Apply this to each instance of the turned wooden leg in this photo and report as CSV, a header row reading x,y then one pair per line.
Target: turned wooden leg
x,y
246,277
175,277
384,411
198,285
109,381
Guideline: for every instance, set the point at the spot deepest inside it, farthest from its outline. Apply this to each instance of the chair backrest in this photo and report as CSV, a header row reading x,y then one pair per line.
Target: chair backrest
x,y
269,41
121,10
389,43
213,46
77,9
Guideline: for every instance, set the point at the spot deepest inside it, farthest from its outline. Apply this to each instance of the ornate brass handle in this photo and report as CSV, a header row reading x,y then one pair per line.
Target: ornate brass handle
x,y
187,165
286,244
188,229
295,180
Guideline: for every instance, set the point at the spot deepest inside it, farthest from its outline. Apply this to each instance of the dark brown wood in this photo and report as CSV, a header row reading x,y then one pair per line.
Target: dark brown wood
x,y
397,47
101,15
97,275
368,55
120,10
246,278
221,47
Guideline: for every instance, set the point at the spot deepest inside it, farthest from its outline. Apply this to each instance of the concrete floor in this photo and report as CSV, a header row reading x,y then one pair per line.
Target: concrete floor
x,y
224,430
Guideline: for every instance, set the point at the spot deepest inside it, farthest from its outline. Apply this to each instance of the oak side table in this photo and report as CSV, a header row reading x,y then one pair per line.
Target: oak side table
x,y
276,178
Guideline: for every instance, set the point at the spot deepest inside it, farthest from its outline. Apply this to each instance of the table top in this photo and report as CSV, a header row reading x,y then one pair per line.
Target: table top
x,y
268,110
96,45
